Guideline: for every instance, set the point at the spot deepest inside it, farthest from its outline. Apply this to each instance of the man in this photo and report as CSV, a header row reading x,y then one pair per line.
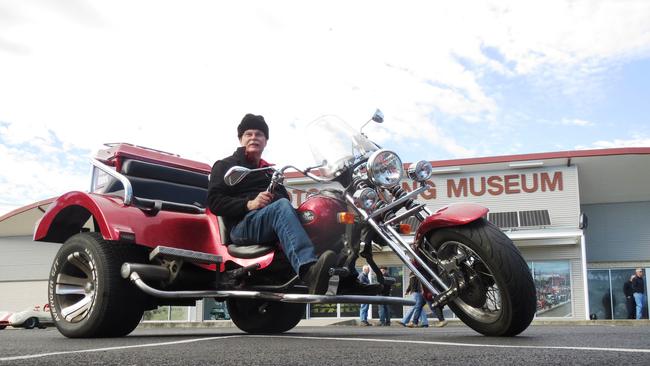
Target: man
x,y
259,216
384,309
638,286
363,310
629,298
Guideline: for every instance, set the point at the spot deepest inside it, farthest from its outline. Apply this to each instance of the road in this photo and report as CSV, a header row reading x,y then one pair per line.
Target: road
x,y
335,345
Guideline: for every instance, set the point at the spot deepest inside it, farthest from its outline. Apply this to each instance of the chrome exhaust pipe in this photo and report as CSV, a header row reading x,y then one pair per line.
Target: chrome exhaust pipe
x,y
270,296
150,272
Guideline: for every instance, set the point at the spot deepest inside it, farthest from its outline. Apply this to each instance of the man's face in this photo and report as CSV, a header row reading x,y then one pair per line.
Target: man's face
x,y
639,273
254,141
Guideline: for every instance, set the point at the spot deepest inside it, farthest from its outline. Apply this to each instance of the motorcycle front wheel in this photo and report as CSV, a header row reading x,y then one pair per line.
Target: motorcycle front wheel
x,y
499,299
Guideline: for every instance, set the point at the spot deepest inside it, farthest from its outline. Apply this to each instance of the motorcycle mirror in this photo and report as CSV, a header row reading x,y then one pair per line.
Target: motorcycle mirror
x,y
378,116
235,175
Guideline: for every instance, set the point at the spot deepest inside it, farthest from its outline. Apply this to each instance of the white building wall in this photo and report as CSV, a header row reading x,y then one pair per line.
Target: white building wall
x,y
20,295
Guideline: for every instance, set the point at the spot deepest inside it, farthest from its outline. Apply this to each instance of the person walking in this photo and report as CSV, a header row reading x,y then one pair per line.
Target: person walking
x,y
363,310
630,304
413,288
638,286
428,297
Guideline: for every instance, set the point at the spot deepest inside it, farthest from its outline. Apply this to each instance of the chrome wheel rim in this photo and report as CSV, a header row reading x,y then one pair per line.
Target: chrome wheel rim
x,y
75,287
491,309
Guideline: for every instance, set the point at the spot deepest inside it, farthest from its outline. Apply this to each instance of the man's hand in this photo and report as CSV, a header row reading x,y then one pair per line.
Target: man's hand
x,y
261,201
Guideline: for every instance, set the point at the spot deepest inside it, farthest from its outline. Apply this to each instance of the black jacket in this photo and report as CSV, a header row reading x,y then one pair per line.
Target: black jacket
x,y
627,289
638,284
230,201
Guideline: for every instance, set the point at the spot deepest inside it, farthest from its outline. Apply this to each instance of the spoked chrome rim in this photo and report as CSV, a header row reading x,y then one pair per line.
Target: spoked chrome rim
x,y
471,263
75,287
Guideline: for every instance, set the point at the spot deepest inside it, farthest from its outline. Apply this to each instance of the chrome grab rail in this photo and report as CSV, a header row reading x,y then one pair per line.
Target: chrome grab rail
x,y
128,189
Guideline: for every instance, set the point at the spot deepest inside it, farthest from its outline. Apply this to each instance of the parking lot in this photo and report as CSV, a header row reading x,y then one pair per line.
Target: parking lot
x,y
455,344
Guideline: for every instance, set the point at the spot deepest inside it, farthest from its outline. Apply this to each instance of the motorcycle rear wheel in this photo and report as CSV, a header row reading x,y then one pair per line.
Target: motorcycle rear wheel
x,y
501,300
264,317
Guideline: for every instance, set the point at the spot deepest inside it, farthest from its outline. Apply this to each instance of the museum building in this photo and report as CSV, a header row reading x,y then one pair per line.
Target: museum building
x,y
581,219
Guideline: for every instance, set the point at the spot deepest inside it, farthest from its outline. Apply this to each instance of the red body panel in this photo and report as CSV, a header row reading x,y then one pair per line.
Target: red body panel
x,y
178,230
323,228
453,215
115,154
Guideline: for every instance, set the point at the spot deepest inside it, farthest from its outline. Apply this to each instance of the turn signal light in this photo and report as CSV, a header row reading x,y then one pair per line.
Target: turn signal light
x,y
405,229
345,218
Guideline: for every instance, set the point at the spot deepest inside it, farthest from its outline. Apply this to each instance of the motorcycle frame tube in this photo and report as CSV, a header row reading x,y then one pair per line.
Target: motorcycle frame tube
x,y
397,249
397,202
270,296
433,275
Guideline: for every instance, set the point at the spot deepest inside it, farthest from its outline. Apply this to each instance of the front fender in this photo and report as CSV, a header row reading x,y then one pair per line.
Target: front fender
x,y
67,215
455,214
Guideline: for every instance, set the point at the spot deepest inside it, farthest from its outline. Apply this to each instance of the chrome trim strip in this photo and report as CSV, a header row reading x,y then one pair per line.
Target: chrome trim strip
x,y
399,201
128,189
271,296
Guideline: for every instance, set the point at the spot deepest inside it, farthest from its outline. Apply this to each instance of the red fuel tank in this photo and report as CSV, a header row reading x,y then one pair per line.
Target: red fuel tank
x,y
318,215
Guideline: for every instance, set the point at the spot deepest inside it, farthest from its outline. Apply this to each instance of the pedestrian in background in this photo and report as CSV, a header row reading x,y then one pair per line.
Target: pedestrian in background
x,y
630,304
363,310
638,285
384,309
428,297
414,288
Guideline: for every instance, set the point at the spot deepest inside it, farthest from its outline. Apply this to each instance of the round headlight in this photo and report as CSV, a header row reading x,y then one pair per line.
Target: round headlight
x,y
420,171
385,168
366,198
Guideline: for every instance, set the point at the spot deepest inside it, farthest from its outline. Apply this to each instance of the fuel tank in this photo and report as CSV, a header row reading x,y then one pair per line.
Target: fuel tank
x,y
318,215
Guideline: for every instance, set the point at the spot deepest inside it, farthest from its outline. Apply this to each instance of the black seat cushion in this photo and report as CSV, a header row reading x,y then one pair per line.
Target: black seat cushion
x,y
142,169
250,250
159,182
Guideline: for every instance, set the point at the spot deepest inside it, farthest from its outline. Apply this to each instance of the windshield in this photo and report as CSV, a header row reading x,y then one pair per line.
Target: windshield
x,y
333,140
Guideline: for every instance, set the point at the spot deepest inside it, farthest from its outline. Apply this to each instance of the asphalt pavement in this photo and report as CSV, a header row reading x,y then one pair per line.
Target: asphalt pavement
x,y
335,345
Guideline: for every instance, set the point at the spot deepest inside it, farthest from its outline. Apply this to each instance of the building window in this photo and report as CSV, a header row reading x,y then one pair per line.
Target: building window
x,y
168,313
215,310
553,286
606,297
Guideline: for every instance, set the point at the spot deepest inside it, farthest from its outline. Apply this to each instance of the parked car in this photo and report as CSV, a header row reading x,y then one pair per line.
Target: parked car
x,y
31,318
4,319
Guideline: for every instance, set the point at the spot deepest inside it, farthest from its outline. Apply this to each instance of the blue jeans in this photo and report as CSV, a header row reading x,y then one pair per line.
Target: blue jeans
x,y
416,310
363,312
276,222
639,298
384,314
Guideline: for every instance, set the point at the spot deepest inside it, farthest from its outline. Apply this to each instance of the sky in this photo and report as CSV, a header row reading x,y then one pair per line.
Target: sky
x,y
454,79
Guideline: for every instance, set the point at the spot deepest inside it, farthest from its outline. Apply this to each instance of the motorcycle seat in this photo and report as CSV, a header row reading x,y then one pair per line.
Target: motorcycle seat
x,y
245,251
250,251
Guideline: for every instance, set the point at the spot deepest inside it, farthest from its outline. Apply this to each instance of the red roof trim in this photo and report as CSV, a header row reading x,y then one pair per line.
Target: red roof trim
x,y
27,208
533,156
544,156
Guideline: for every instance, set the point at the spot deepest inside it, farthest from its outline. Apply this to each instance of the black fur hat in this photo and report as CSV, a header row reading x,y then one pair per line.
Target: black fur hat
x,y
252,122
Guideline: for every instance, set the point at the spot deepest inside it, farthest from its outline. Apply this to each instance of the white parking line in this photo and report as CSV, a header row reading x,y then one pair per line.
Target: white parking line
x,y
455,344
602,349
26,357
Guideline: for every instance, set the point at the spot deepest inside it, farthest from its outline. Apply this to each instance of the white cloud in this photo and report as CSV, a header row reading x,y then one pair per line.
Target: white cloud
x,y
604,144
576,122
